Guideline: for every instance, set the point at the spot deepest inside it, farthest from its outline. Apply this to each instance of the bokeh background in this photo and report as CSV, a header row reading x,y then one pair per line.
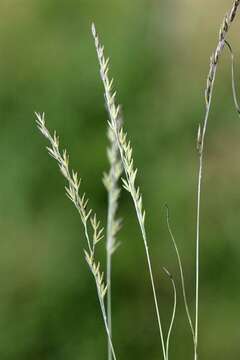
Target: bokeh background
x,y
159,59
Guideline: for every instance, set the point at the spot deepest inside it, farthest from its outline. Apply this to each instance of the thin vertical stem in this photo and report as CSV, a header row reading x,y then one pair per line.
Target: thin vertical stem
x,y
197,257
199,191
106,325
181,274
110,181
173,314
224,29
142,227
109,284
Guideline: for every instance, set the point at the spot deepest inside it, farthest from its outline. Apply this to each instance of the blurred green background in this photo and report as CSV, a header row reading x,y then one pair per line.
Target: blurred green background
x,y
159,54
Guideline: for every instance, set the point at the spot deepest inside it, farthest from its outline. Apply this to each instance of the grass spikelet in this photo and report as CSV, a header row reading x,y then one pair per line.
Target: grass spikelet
x,y
74,182
110,181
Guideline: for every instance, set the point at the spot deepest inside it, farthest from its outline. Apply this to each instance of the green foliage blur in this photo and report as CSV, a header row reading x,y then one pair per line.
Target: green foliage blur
x,y
159,54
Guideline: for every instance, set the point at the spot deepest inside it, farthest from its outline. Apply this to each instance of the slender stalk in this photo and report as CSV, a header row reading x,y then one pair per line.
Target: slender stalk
x,y
173,312
109,252
224,29
101,292
109,270
141,218
234,91
109,301
199,191
105,320
152,284
110,181
181,273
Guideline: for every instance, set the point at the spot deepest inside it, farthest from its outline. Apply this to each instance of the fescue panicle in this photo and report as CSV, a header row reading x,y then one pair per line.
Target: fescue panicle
x,y
110,181
80,201
99,276
124,145
224,29
227,21
74,182
125,151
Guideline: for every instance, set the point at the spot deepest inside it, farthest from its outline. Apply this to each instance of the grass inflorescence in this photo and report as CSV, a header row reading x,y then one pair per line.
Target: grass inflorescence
x,y
121,166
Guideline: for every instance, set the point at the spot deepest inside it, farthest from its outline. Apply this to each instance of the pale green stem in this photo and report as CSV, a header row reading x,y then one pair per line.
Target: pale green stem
x,y
109,272
181,273
173,313
143,232
105,322
142,227
199,188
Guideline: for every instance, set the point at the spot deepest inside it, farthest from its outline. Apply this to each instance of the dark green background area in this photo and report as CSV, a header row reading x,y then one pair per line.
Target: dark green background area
x,y
159,54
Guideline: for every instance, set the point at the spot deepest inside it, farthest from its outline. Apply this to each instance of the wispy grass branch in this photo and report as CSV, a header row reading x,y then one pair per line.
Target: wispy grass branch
x,y
125,150
214,61
181,273
88,221
173,312
234,91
